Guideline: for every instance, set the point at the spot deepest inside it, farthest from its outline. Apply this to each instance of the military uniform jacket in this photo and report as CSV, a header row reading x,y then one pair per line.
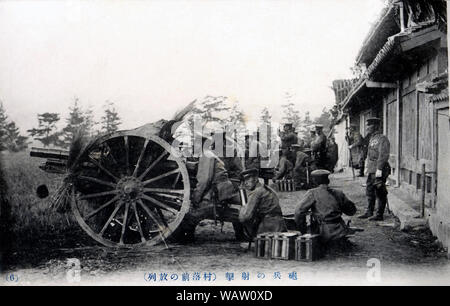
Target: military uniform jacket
x,y
327,205
332,154
288,139
263,208
319,146
377,152
211,173
301,160
285,169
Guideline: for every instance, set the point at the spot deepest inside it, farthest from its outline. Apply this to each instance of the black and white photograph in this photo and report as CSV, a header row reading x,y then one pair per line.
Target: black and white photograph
x,y
224,143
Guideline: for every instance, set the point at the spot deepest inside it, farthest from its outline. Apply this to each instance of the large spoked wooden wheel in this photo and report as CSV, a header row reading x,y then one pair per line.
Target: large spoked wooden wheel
x,y
129,190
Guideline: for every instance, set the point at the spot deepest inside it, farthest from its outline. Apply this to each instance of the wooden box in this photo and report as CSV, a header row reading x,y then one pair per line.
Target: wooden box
x,y
263,245
307,248
283,245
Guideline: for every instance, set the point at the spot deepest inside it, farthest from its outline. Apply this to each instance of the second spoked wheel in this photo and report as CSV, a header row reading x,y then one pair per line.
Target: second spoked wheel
x,y
129,190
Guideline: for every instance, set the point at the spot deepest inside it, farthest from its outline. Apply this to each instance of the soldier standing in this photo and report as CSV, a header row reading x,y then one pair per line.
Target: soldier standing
x,y
332,154
378,169
319,147
288,137
262,213
358,148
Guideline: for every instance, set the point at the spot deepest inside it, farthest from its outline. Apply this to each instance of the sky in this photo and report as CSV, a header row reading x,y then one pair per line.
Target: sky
x,y
153,57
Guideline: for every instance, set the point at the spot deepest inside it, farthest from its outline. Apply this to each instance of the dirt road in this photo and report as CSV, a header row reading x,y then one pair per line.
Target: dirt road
x,y
216,258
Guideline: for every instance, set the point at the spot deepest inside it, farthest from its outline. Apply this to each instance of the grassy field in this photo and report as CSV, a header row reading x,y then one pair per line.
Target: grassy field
x,y
33,225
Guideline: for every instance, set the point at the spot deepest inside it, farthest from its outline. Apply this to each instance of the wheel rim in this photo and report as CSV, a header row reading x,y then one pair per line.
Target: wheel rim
x,y
130,190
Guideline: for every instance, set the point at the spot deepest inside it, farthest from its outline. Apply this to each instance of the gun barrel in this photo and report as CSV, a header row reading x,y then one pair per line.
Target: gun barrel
x,y
49,153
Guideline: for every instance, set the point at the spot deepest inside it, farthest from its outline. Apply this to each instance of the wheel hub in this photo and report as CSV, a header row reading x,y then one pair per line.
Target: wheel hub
x,y
130,188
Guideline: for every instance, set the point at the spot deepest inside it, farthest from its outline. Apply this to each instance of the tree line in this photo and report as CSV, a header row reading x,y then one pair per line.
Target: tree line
x,y
80,122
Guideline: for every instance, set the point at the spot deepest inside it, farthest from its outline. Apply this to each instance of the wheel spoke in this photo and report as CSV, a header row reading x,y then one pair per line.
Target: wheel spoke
x,y
110,153
160,176
98,194
148,211
171,196
160,204
153,164
110,219
96,180
103,168
124,223
127,154
161,216
164,190
102,207
136,215
176,180
140,158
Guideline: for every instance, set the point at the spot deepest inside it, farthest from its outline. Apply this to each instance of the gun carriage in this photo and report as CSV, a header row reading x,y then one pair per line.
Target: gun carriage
x,y
131,187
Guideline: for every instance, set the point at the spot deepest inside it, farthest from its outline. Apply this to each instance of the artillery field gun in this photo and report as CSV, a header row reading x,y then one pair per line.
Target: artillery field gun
x,y
131,187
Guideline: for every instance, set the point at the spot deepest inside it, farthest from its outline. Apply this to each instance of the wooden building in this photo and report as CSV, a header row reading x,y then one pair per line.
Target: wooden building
x,y
404,81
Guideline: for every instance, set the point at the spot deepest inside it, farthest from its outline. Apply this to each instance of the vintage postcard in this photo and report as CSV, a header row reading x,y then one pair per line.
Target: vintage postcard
x,y
224,143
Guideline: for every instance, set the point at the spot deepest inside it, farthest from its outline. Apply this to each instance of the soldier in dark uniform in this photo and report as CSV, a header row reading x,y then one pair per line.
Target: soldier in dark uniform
x,y
302,162
332,154
319,147
262,213
358,148
378,169
327,206
288,136
212,176
285,166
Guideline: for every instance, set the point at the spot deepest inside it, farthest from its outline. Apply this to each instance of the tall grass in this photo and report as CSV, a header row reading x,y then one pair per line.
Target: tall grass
x,y
33,224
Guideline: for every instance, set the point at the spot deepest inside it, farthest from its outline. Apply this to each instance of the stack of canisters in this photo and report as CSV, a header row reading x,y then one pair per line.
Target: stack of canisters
x,y
288,246
285,185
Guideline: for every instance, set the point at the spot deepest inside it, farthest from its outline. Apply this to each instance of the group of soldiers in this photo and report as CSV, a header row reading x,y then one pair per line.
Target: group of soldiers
x,y
261,212
299,157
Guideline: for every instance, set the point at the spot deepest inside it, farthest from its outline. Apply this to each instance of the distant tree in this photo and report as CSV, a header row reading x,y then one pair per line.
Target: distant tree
x,y
46,131
3,124
75,124
291,114
15,142
236,118
265,117
10,138
111,120
211,110
324,119
89,122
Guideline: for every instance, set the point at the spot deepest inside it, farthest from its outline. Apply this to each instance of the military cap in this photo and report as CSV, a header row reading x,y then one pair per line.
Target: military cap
x,y
248,173
319,126
320,173
288,124
373,120
296,145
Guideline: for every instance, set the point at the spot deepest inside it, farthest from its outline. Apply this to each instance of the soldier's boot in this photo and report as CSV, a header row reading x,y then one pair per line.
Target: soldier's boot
x,y
361,172
369,210
382,200
377,217
366,215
